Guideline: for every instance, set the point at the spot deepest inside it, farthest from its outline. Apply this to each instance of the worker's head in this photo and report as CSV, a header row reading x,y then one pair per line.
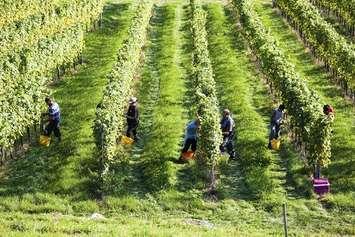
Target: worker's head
x,y
48,101
133,100
226,112
281,107
327,109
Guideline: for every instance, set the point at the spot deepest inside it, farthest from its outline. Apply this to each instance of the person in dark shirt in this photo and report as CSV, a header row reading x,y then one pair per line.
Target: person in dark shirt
x,y
53,118
132,116
228,132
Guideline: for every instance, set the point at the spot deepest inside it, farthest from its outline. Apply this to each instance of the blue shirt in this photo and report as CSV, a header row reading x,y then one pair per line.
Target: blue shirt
x,y
191,130
54,112
227,124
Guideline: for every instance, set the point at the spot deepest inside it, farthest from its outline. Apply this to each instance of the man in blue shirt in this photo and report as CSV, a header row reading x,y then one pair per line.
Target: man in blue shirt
x,y
191,136
227,126
53,118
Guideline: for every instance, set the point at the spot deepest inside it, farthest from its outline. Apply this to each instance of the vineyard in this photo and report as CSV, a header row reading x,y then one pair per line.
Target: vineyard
x,y
183,60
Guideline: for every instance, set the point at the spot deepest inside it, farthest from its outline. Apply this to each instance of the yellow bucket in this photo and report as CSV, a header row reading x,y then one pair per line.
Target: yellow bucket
x,y
44,140
189,155
275,144
126,140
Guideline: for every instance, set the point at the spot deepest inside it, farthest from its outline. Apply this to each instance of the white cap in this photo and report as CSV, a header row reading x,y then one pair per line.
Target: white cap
x,y
133,100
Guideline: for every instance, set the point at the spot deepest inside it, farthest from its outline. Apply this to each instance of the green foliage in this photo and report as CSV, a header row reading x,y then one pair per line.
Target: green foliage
x,y
345,9
30,50
301,103
167,124
110,116
206,103
232,80
329,46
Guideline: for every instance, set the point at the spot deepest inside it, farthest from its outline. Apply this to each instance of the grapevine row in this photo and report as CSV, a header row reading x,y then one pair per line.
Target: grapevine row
x,y
15,37
110,118
344,10
14,11
166,115
303,104
205,97
326,43
233,77
25,74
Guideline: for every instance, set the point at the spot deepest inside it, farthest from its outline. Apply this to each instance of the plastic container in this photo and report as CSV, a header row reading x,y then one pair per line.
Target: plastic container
x,y
44,140
321,186
126,140
189,155
275,144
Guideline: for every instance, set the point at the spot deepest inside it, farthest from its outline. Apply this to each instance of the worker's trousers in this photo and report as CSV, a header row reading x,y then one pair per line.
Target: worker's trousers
x,y
228,144
132,129
53,126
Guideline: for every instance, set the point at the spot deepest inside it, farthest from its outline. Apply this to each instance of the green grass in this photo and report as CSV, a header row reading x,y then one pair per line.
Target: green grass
x,y
343,153
48,192
233,72
63,168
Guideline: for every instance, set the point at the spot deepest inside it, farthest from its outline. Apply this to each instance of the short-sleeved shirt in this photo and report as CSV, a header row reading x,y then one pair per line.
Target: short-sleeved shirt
x,y
191,130
227,124
277,116
132,114
54,112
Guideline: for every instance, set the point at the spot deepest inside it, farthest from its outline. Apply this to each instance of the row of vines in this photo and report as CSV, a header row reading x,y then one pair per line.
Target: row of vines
x,y
310,127
329,46
33,45
110,119
343,9
206,102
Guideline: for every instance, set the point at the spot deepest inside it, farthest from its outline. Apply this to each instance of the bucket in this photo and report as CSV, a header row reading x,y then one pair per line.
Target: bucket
x,y
275,144
44,140
126,140
189,155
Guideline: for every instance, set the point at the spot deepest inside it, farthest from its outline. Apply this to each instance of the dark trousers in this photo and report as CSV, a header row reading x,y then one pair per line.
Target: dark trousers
x,y
190,142
274,131
132,129
228,144
53,126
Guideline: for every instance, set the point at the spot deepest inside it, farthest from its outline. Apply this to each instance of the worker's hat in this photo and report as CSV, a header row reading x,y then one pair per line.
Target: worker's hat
x,y
133,100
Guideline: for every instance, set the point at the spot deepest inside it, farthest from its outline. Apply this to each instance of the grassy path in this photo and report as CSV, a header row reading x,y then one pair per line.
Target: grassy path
x,y
160,94
343,144
235,76
62,168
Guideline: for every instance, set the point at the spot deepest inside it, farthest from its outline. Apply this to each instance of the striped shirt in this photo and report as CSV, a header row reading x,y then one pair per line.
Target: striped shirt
x,y
54,111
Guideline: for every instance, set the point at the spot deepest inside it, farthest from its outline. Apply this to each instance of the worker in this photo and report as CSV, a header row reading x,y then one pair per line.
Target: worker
x,y
191,136
276,120
328,109
228,132
132,116
53,119
190,140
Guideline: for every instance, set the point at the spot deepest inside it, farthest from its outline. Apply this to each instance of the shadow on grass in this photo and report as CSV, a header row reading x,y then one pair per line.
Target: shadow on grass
x,y
62,168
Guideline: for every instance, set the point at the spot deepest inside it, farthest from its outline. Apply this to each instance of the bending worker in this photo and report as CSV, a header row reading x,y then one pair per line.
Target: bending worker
x,y
276,120
132,116
53,119
191,136
228,132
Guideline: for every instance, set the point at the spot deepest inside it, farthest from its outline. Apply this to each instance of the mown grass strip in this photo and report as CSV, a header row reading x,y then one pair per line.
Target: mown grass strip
x,y
163,142
232,75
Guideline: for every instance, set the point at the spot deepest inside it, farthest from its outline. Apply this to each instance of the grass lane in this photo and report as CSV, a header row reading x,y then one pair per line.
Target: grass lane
x,y
343,144
61,168
235,76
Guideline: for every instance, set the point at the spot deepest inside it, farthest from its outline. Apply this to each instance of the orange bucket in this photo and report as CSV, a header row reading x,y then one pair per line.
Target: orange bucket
x,y
189,155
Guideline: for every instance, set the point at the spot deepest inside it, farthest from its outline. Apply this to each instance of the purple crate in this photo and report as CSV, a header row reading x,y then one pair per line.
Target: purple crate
x,y
321,186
